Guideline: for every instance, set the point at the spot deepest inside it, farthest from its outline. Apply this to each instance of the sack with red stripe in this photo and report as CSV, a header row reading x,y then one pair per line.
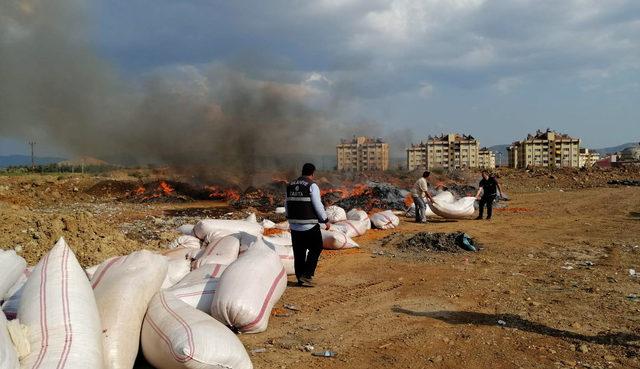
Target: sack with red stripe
x,y
249,288
205,227
179,264
8,354
356,214
60,312
176,336
385,220
13,296
459,209
352,228
282,244
222,250
123,287
198,287
11,267
334,240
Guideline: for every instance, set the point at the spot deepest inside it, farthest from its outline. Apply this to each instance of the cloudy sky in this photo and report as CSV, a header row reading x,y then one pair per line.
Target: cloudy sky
x,y
407,68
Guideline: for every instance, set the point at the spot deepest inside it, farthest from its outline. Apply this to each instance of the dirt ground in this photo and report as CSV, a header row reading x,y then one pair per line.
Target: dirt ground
x,y
551,287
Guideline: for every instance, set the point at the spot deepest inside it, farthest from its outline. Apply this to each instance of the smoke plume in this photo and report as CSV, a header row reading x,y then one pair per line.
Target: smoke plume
x,y
54,88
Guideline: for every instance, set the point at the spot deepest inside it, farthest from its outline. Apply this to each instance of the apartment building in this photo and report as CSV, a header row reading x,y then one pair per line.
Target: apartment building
x,y
486,158
588,158
363,154
451,151
545,149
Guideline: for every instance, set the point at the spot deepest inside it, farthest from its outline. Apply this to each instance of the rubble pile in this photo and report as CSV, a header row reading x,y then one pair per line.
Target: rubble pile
x,y
442,242
625,182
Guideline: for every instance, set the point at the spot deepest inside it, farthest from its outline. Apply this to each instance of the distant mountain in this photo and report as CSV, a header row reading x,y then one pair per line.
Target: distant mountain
x,y
17,160
609,150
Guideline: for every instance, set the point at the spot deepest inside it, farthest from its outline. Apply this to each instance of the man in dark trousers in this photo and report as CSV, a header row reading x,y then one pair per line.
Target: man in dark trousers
x,y
305,213
489,188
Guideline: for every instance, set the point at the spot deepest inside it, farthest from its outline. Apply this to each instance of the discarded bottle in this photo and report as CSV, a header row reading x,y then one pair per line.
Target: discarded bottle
x,y
326,353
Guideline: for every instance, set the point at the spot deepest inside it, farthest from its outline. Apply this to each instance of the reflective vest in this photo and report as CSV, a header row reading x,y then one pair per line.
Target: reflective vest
x,y
299,207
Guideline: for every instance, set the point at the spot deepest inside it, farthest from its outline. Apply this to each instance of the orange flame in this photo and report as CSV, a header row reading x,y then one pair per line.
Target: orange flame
x,y
139,191
228,194
408,200
166,189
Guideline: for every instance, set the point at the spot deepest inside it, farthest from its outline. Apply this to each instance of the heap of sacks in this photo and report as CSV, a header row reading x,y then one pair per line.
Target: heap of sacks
x,y
181,306
447,206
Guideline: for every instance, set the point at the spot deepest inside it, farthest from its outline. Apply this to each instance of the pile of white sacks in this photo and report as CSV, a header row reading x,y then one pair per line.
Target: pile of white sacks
x,y
181,306
447,206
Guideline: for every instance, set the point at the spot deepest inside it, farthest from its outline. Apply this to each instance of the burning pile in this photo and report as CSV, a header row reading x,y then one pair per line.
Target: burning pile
x,y
374,195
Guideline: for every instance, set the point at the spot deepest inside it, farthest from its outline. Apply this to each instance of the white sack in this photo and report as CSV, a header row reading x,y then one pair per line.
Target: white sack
x,y
352,228
334,240
177,336
204,227
123,288
461,209
8,354
249,288
283,225
267,224
223,250
179,264
251,218
13,296
90,271
280,210
186,229
283,245
198,287
355,214
385,220
335,213
185,241
60,312
11,267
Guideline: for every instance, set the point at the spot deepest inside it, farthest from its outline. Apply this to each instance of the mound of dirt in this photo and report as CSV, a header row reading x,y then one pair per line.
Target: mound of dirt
x,y
444,242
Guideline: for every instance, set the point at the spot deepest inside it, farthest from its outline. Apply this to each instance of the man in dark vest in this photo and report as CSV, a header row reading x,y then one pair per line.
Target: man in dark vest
x,y
305,213
489,188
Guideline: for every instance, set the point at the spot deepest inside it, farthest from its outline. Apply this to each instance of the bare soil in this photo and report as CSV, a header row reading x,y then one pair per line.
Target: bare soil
x,y
550,288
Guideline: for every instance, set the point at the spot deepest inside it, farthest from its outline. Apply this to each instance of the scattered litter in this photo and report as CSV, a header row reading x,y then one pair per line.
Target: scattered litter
x,y
588,263
502,322
258,350
291,307
632,272
633,297
309,347
326,353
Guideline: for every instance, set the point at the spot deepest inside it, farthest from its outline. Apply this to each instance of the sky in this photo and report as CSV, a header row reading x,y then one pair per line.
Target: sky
x,y
494,69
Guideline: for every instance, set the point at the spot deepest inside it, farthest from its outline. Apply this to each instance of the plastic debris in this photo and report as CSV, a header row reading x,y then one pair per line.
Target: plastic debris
x,y
326,353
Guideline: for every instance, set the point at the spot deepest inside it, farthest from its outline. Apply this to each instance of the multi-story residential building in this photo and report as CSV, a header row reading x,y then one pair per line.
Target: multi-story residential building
x,y
545,149
363,154
486,158
588,158
452,151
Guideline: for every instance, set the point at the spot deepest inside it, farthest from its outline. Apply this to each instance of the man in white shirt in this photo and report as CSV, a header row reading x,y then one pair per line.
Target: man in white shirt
x,y
305,213
420,192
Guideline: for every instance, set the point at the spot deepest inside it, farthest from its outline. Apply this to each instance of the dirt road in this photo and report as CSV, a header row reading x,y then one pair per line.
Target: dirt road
x,y
555,273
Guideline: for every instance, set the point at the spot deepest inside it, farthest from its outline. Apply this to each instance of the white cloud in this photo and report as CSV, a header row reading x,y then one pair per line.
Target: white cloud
x,y
506,85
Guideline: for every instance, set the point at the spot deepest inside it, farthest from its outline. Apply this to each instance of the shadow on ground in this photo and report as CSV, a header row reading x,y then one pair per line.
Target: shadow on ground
x,y
515,321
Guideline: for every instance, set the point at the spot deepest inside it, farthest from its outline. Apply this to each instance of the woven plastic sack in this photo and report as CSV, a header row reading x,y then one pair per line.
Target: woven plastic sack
x,y
335,213
185,241
249,288
223,250
11,267
123,287
334,240
12,297
460,209
8,354
207,226
59,309
385,220
198,287
177,336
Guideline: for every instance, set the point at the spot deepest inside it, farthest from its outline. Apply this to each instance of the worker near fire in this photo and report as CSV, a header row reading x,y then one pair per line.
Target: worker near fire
x,y
305,213
420,194
487,193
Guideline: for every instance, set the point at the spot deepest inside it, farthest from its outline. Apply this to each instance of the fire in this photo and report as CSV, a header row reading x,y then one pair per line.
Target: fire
x,y
344,192
139,191
228,194
166,189
408,200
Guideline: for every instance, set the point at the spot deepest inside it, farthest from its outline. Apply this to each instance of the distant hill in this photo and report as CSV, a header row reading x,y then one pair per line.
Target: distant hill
x,y
18,160
83,160
609,150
